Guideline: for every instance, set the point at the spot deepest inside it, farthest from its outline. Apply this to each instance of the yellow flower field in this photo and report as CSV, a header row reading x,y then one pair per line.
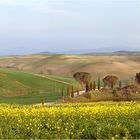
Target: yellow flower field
x,y
104,120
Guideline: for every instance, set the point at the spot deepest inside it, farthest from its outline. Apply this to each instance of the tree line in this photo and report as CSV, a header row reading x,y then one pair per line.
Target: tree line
x,y
109,81
88,84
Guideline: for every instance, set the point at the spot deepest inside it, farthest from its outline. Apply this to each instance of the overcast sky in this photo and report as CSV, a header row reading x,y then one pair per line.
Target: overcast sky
x,y
28,26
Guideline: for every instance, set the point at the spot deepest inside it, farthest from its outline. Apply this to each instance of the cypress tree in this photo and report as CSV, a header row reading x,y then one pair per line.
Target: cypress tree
x,y
99,83
87,86
91,86
68,92
62,93
112,85
120,84
94,85
72,92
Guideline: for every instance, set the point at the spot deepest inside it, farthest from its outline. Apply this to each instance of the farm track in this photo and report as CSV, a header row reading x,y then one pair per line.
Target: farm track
x,y
52,103
53,79
80,93
59,81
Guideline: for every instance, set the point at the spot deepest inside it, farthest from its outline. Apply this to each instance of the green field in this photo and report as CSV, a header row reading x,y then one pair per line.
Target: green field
x,y
27,88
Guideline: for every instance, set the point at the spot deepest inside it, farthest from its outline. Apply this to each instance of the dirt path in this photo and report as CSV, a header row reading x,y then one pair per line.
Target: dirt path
x,y
52,103
53,79
59,81
80,93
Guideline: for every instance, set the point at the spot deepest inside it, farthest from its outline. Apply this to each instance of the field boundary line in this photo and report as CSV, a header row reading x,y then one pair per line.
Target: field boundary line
x,y
53,79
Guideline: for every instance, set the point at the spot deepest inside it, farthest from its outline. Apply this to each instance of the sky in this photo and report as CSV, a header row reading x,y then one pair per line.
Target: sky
x,y
31,26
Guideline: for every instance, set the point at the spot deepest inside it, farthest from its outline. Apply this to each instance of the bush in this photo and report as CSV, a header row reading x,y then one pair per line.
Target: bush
x,y
111,95
89,95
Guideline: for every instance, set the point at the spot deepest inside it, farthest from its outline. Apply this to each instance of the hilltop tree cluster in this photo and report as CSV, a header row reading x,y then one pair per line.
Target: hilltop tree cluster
x,y
109,81
85,79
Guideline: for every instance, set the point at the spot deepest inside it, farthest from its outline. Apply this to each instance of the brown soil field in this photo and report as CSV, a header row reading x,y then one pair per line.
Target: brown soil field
x,y
122,66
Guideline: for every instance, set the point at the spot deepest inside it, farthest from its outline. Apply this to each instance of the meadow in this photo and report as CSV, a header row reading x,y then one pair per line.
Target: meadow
x,y
20,87
102,120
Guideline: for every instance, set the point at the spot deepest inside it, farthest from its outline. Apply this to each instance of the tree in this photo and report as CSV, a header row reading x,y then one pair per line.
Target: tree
x,y
82,77
62,93
91,86
137,78
87,87
94,85
72,91
68,92
120,84
110,81
99,83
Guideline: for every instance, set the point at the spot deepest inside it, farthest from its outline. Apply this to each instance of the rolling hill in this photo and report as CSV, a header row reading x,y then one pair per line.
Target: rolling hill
x,y
28,88
124,67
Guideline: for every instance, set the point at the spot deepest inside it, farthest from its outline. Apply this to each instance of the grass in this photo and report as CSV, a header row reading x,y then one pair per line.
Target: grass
x,y
64,78
27,88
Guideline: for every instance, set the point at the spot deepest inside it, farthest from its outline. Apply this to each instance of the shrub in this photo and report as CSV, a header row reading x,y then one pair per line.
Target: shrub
x,y
89,95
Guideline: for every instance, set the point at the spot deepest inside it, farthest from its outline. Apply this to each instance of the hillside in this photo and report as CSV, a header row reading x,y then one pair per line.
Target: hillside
x,y
27,88
66,65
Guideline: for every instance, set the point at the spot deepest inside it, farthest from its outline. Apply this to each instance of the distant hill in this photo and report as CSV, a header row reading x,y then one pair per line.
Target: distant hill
x,y
95,53
45,53
133,53
116,53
